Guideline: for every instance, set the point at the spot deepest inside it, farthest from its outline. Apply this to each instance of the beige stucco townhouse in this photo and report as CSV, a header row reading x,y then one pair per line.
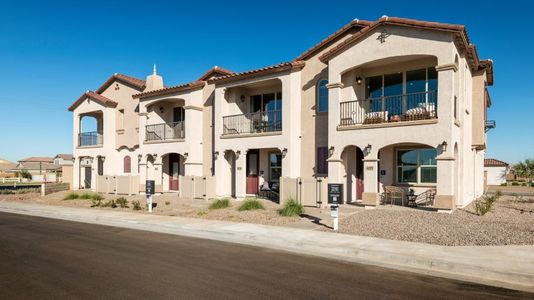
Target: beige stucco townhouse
x,y
393,102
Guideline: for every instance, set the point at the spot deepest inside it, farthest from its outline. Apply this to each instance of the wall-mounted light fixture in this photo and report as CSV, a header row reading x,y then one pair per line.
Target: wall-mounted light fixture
x,y
284,152
237,153
443,146
154,156
215,154
367,149
161,109
359,80
139,156
242,98
186,154
331,151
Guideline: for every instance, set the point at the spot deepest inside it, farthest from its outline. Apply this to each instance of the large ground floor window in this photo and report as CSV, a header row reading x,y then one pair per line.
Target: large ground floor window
x,y
416,166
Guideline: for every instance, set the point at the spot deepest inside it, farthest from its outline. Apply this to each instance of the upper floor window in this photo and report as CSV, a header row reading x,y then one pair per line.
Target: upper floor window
x,y
127,164
178,114
322,96
266,102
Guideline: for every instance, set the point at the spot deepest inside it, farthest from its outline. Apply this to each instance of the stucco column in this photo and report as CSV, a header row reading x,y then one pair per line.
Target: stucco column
x,y
445,183
142,176
241,176
222,181
334,98
291,106
158,175
94,172
142,126
76,174
193,140
370,195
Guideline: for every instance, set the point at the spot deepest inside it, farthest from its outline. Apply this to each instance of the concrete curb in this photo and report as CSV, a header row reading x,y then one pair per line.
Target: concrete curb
x,y
502,266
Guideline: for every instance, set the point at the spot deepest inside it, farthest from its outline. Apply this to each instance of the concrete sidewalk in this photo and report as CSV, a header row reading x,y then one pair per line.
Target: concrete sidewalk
x,y
503,266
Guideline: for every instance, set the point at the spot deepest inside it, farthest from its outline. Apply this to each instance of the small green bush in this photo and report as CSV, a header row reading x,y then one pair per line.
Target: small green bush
x,y
122,202
486,204
504,184
532,184
220,203
251,204
291,208
6,192
136,205
86,196
515,183
96,202
110,203
71,196
167,202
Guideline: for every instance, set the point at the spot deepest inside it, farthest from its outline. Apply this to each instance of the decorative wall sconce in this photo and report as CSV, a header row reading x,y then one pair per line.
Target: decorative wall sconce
x,y
139,157
284,152
359,80
161,109
242,98
237,154
331,151
186,154
367,148
215,154
444,146
154,156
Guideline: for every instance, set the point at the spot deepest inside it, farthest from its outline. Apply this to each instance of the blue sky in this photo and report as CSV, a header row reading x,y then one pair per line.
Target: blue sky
x,y
52,51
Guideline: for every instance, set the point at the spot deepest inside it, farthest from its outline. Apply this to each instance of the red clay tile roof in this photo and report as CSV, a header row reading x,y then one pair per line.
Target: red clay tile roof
x,y
459,30
173,89
95,97
136,83
259,72
332,37
492,162
216,71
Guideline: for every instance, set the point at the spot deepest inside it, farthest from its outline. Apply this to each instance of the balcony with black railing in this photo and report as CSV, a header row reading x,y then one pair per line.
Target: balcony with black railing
x,y
93,138
165,131
389,109
251,123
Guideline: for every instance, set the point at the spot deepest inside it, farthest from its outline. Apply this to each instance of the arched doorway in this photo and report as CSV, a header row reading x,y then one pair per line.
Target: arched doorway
x,y
352,157
173,168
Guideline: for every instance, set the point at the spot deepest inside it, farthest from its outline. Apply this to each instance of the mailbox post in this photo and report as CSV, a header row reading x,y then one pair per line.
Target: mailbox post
x,y
335,196
150,188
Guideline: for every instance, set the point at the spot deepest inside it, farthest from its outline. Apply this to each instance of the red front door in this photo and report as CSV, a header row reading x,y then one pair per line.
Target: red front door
x,y
174,171
252,171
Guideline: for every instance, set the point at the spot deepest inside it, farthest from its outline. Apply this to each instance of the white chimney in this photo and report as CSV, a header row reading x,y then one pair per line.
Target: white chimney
x,y
154,81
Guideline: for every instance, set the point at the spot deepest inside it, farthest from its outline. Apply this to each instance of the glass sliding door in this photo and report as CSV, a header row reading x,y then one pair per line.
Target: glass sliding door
x,y
393,94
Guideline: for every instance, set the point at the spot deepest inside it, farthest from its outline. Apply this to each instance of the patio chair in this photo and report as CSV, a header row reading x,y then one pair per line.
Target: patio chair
x,y
268,190
393,194
426,198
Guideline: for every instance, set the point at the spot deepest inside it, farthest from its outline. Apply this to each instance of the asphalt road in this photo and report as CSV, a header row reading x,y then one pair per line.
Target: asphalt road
x,y
52,259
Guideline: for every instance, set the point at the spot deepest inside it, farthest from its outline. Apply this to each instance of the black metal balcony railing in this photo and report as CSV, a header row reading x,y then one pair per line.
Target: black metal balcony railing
x,y
165,131
93,138
258,122
397,108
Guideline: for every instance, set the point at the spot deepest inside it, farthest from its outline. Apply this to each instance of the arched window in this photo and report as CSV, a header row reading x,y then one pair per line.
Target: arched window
x,y
127,164
322,96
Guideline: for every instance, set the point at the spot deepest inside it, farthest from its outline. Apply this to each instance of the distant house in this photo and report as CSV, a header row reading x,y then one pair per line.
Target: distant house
x,y
41,168
65,162
496,171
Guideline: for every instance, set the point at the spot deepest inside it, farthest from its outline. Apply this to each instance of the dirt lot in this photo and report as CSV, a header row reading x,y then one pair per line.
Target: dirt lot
x,y
511,222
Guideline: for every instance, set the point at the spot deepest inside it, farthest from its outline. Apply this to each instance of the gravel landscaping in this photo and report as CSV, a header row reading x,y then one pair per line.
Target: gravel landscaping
x,y
511,222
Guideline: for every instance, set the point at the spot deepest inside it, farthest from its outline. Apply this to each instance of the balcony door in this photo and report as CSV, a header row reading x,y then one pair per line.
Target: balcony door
x,y
174,171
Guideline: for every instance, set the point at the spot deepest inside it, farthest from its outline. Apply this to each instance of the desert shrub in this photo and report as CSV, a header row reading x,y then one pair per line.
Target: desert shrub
x,y
291,208
96,202
86,196
136,205
504,184
485,205
97,197
515,183
6,192
532,184
24,174
122,202
220,203
251,204
202,213
167,202
110,203
71,196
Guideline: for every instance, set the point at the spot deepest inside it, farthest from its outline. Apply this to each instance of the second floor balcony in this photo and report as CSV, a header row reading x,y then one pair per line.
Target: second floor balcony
x,y
251,123
88,139
165,131
389,109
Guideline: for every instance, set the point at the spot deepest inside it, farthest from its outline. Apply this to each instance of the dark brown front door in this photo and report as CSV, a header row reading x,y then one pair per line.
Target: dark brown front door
x,y
252,171
174,171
